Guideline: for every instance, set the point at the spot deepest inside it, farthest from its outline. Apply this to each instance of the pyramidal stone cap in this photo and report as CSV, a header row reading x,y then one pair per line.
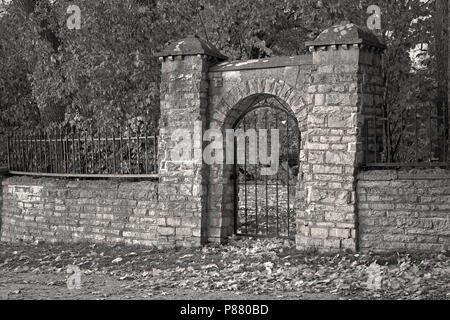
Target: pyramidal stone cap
x,y
191,46
346,33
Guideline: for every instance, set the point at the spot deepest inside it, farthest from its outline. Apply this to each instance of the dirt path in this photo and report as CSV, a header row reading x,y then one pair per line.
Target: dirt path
x,y
242,269
25,286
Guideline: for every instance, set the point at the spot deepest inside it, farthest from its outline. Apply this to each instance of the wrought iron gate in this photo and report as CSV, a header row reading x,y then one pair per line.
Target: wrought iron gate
x,y
264,204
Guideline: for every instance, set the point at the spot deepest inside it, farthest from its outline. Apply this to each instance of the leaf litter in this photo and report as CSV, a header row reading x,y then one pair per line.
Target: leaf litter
x,y
243,266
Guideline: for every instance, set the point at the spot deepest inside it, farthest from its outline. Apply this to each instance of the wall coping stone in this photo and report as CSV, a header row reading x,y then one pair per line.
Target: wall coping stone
x,y
416,174
344,34
190,46
70,183
266,63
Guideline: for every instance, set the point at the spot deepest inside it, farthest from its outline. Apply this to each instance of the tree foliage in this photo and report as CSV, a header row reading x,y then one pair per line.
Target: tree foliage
x,y
104,74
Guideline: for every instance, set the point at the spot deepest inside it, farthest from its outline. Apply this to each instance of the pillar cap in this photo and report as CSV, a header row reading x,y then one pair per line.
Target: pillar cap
x,y
346,33
191,46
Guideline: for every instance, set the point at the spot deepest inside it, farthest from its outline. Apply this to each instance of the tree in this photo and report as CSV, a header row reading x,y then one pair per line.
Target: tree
x,y
104,74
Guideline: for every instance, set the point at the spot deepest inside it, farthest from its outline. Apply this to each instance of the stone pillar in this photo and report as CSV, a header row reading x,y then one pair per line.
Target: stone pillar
x,y
346,86
184,101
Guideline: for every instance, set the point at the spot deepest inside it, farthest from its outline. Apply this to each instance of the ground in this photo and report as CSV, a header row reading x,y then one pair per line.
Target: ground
x,y
242,269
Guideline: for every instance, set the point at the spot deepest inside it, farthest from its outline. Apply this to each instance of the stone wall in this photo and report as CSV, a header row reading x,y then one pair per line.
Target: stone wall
x,y
330,93
68,211
404,210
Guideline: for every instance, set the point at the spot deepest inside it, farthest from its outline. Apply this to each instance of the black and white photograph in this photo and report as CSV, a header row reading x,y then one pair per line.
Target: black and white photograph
x,y
219,158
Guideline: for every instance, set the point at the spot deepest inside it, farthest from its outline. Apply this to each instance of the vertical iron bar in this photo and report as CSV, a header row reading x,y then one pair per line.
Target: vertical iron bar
x,y
27,151
383,140
67,150
366,141
276,185
13,149
121,150
36,150
44,142
99,152
402,134
49,136
416,134
56,150
30,151
15,152
445,134
15,160
236,219
137,149
41,151
22,162
288,178
114,150
146,148
256,174
376,138
92,169
430,156
106,150
22,142
266,178
63,151
19,151
79,150
74,164
129,150
155,147
245,178
86,161
8,151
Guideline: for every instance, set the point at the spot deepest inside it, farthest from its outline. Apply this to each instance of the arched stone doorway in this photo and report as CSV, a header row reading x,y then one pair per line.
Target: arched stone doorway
x,y
266,170
227,205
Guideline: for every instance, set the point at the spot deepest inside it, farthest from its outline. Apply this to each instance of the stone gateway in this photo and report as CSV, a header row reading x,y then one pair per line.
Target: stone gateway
x,y
327,94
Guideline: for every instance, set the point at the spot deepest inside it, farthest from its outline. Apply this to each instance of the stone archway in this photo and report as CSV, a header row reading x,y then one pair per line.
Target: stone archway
x,y
266,182
221,185
330,92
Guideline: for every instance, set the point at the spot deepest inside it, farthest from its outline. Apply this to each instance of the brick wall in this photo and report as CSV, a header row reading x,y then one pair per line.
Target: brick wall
x,y
68,211
404,210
